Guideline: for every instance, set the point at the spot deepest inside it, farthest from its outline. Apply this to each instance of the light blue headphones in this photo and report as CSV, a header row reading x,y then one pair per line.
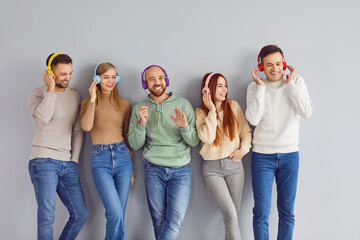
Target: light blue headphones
x,y
97,77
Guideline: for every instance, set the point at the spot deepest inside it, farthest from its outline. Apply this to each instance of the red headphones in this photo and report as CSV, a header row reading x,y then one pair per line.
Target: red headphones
x,y
261,66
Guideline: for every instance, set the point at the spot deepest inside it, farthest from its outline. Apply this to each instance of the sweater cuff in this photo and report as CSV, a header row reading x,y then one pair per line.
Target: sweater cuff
x,y
212,114
291,85
245,149
260,89
185,129
140,128
50,95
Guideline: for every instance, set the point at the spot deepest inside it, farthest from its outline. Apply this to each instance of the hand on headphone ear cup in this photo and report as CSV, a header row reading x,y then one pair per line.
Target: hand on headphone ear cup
x,y
97,79
205,90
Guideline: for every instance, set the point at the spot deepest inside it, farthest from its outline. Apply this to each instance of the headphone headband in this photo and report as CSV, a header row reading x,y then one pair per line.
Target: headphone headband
x,y
206,85
143,81
95,70
51,60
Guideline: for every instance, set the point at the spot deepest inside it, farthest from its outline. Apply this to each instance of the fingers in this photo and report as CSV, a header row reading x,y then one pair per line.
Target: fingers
x,y
179,113
93,83
254,71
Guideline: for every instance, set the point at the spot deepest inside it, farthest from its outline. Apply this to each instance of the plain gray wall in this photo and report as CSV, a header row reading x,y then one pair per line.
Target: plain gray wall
x,y
189,38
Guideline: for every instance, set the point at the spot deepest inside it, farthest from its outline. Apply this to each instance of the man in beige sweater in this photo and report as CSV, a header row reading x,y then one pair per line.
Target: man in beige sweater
x,y
55,149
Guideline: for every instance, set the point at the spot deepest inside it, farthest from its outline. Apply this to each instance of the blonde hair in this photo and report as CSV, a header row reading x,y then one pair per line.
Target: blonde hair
x,y
115,99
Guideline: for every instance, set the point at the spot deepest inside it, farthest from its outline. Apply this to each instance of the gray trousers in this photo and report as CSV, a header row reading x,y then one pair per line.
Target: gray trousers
x,y
224,180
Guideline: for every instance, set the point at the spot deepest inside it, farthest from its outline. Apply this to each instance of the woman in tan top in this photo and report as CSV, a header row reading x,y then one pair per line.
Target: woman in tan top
x,y
106,115
226,139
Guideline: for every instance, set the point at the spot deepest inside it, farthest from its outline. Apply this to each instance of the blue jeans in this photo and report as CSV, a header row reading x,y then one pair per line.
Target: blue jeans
x,y
112,170
168,193
50,176
284,167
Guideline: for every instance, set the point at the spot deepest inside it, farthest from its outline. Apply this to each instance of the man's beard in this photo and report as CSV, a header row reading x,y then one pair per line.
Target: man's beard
x,y
158,94
60,85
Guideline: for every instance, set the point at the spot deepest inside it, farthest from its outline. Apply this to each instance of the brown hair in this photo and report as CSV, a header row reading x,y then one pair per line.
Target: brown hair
x,y
269,49
230,122
61,58
115,99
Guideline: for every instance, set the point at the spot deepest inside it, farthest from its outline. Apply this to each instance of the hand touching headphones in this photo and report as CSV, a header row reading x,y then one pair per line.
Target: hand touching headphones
x,y
206,86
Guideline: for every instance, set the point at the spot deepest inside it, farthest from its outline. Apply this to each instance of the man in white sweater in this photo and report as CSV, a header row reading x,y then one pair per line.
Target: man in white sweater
x,y
55,149
274,107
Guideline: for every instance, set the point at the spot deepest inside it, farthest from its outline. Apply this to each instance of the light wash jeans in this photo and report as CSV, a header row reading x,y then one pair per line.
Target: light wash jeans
x,y
50,176
168,193
112,170
284,167
224,180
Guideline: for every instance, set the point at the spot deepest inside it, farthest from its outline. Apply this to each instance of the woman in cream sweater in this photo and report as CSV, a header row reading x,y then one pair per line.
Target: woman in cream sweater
x,y
226,139
106,115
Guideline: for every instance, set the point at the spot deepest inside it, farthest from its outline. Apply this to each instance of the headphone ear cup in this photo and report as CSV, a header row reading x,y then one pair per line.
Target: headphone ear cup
x,y
284,65
167,81
261,67
205,90
144,84
97,78
117,79
50,71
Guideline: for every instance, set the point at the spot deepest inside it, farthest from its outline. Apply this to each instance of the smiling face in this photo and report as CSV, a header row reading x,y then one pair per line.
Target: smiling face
x,y
155,79
63,74
221,90
108,80
273,66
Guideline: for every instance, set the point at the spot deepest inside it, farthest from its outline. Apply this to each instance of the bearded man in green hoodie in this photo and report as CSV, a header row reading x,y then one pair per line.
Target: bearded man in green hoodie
x,y
167,141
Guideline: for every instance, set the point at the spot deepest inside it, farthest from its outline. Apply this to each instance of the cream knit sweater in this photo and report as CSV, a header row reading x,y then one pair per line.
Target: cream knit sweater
x,y
206,128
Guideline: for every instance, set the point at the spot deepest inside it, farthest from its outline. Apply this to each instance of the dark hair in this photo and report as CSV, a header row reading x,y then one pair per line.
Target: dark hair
x,y
269,49
230,122
61,58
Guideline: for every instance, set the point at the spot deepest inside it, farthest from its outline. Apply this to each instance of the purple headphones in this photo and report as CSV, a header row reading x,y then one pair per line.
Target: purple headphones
x,y
143,81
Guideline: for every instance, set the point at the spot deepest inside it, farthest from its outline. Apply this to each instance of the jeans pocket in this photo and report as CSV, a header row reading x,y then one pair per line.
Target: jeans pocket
x,y
122,148
96,150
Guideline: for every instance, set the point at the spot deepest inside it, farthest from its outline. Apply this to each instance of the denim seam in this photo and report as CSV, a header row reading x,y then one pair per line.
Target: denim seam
x,y
72,205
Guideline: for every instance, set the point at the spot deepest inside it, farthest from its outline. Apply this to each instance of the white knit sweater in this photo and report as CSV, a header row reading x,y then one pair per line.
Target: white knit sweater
x,y
275,110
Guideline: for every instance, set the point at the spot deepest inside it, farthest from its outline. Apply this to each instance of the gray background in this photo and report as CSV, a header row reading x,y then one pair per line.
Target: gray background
x,y
189,38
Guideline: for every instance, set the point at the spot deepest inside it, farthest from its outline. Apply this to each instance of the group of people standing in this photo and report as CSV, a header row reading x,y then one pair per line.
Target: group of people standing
x,y
167,126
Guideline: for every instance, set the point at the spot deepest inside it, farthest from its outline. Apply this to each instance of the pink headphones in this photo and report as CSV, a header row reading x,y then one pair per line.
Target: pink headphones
x,y
261,66
206,86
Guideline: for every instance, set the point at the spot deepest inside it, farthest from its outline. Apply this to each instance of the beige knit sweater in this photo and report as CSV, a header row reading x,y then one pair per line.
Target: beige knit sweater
x,y
206,128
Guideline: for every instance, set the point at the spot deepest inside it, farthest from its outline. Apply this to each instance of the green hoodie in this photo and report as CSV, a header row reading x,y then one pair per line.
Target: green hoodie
x,y
170,145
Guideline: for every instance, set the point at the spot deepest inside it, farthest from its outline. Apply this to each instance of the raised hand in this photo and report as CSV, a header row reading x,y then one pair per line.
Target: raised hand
x,y
180,119
143,114
92,91
208,102
257,80
290,77
49,80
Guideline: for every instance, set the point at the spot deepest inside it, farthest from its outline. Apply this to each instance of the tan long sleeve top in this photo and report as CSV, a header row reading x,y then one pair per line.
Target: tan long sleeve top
x,y
106,125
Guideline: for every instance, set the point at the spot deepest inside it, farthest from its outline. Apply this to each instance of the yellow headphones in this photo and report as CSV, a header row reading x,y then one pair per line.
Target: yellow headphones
x,y
49,64
50,61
